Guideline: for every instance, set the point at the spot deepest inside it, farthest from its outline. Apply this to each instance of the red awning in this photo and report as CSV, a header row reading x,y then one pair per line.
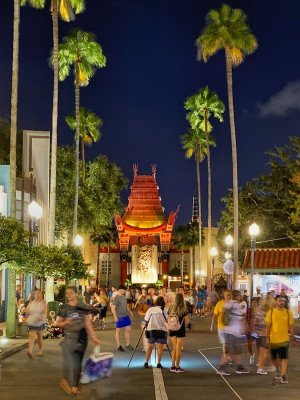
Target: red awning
x,y
274,260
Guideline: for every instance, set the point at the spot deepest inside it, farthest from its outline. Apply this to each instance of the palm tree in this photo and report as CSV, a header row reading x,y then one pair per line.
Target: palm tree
x,y
65,9
201,107
180,242
226,29
11,320
193,240
89,131
81,52
104,236
194,142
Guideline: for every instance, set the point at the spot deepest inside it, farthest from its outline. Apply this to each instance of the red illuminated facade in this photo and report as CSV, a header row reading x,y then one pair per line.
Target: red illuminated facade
x,y
144,223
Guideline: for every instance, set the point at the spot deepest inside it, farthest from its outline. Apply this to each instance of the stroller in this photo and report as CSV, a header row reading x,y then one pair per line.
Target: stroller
x,y
98,315
52,332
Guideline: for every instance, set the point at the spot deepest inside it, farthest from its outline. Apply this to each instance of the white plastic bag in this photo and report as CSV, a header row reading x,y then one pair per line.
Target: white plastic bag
x,y
97,365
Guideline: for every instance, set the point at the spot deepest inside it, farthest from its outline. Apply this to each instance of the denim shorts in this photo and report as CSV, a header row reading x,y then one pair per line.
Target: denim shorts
x,y
157,336
123,322
36,328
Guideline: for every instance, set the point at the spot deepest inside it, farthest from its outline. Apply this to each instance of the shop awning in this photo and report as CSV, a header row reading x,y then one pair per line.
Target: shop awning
x,y
272,261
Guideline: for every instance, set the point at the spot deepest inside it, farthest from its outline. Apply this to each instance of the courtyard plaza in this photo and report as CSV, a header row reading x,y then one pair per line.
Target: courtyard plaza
x,y
37,378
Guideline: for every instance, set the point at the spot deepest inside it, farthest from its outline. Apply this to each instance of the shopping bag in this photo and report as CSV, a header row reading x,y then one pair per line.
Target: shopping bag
x,y
97,365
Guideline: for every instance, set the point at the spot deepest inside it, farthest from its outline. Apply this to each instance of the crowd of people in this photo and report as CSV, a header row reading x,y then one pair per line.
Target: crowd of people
x,y
165,316
263,320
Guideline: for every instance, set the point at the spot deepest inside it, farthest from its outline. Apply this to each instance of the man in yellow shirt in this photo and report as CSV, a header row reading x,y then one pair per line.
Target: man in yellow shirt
x,y
280,323
218,316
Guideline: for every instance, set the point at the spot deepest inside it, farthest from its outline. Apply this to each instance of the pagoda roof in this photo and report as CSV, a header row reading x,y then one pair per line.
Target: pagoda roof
x,y
144,210
144,220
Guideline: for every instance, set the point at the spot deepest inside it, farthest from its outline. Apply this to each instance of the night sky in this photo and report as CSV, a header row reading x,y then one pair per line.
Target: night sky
x,y
151,70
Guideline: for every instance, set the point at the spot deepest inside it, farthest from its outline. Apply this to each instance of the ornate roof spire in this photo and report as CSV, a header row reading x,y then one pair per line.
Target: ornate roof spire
x,y
153,166
135,169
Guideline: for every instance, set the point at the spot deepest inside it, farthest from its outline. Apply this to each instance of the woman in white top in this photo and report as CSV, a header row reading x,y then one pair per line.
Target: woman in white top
x,y
156,329
36,311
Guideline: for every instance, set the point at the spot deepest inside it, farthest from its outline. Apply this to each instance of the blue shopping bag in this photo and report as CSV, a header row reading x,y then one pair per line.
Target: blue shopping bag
x,y
97,365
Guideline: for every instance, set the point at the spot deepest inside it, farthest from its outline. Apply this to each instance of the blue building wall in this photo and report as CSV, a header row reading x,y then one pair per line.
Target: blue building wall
x,y
5,181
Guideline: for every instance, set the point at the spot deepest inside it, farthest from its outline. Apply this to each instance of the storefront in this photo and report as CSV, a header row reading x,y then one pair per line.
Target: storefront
x,y
276,269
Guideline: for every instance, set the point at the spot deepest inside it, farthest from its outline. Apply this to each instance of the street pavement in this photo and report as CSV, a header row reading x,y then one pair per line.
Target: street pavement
x,y
37,378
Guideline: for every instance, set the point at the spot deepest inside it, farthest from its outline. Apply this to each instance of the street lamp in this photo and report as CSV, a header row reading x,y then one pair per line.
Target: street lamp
x,y
253,231
78,240
228,256
35,211
213,253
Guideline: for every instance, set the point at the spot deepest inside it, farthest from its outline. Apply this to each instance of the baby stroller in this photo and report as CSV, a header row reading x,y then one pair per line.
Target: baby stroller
x,y
98,315
50,331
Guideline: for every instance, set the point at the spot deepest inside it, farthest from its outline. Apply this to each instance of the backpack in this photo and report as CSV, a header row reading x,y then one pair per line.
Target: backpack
x,y
173,323
226,316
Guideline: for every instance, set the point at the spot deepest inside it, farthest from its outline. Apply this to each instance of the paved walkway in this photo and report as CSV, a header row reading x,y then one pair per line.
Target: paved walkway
x,y
31,379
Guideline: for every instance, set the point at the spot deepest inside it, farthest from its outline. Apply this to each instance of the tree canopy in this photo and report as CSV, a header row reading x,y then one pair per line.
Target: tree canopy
x,y
99,194
271,200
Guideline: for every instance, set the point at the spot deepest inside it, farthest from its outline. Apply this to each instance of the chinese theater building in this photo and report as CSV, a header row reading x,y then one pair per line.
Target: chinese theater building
x,y
144,232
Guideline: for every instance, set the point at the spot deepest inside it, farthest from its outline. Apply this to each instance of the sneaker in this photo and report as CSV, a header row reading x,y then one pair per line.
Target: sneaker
x,y
283,379
252,359
230,363
146,365
129,347
159,365
179,370
241,370
120,348
261,371
173,369
278,375
222,371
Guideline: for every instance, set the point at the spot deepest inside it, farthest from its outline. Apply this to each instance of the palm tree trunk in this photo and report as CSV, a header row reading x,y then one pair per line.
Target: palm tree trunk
x,y
209,267
51,233
98,265
181,268
234,167
13,109
11,289
83,158
200,213
77,114
49,290
108,263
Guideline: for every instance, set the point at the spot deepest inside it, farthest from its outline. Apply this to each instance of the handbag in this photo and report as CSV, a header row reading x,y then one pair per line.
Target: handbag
x,y
142,309
97,365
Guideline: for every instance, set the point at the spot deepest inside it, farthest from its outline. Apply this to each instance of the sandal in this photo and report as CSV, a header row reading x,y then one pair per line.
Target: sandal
x,y
75,390
63,384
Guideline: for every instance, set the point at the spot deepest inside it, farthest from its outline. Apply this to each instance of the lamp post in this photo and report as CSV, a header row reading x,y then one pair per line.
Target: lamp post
x,y
253,231
78,240
228,256
35,211
213,253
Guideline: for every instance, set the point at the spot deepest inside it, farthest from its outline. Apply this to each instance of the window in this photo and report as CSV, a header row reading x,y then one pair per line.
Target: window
x,y
104,267
185,266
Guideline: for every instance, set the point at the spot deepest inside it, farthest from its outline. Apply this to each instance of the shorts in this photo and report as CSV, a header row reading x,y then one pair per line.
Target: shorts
x,y
261,341
156,336
221,336
235,343
123,322
36,328
281,352
200,305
